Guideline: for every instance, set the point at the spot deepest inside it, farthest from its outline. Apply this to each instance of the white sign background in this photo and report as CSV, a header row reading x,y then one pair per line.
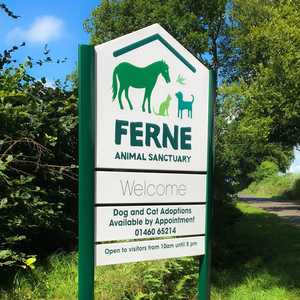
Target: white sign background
x,y
108,190
117,253
108,111
104,215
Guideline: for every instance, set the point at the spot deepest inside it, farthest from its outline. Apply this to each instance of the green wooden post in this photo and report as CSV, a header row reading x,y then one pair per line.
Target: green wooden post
x,y
86,70
205,261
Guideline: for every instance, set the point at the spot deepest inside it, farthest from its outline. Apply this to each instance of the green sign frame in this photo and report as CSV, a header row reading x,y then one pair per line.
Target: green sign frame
x,y
86,68
86,259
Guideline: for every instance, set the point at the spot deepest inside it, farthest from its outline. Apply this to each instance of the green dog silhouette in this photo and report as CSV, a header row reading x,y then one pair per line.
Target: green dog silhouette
x,y
184,105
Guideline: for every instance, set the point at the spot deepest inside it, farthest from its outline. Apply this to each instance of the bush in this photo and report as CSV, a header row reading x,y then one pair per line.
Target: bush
x,y
265,169
294,192
38,172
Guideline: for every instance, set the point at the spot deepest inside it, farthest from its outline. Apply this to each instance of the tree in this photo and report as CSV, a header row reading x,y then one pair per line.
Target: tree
x,y
210,30
38,157
38,165
198,25
241,143
266,38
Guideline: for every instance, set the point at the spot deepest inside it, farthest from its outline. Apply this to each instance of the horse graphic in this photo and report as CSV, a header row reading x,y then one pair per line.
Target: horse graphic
x,y
140,78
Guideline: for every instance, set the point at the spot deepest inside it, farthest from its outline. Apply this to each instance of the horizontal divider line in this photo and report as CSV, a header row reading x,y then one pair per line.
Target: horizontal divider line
x,y
149,239
151,171
149,204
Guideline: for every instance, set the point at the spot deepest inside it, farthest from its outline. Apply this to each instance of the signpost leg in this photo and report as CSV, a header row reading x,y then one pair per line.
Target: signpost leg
x,y
86,173
205,261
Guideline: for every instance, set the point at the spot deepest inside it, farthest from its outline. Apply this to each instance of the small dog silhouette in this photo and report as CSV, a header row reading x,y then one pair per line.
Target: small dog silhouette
x,y
184,105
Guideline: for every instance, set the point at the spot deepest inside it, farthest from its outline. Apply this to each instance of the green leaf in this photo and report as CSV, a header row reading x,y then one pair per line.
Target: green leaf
x,y
5,254
30,262
9,158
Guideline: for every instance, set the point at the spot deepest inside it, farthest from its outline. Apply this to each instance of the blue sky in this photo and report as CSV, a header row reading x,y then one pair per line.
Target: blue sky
x,y
295,167
58,24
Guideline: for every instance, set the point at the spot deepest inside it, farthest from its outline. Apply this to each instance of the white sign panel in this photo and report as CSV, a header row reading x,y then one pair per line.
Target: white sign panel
x,y
151,148
117,253
152,104
130,187
144,222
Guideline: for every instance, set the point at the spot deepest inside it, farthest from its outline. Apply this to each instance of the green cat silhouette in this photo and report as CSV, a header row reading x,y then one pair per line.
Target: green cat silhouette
x,y
164,107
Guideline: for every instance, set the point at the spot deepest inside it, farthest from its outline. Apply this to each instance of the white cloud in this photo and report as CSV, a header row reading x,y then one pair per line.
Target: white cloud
x,y
43,30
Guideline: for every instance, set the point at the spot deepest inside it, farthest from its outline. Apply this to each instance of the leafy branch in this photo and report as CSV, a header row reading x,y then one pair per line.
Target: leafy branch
x,y
8,11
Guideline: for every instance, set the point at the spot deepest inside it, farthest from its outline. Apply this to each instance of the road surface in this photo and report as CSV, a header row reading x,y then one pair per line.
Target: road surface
x,y
287,210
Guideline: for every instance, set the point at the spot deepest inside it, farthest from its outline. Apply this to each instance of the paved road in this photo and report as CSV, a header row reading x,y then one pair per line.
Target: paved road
x,y
287,210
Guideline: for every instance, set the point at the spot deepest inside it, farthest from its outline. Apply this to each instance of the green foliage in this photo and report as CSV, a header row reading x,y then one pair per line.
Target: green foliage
x,y
267,39
252,264
247,262
241,143
57,279
175,280
258,109
264,170
198,25
224,38
276,186
294,192
38,149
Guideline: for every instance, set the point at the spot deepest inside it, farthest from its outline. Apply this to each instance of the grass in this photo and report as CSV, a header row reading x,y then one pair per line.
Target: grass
x,y
286,187
57,280
258,258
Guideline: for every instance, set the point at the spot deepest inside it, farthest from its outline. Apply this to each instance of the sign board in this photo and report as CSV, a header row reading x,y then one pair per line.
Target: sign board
x,y
145,154
152,104
152,108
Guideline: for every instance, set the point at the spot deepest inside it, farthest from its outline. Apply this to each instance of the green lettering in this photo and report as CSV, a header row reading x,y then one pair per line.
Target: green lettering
x,y
134,133
167,136
152,132
119,130
185,138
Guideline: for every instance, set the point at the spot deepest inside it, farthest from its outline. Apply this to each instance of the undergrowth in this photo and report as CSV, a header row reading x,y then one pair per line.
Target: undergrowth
x,y
256,257
286,187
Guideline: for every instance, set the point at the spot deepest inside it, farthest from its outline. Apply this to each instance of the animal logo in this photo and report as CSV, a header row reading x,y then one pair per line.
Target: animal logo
x,y
180,79
164,107
184,105
140,78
